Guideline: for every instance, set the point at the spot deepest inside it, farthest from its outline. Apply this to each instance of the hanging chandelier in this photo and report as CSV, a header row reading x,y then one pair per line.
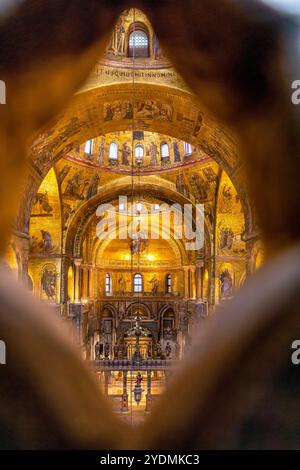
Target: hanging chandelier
x,y
138,243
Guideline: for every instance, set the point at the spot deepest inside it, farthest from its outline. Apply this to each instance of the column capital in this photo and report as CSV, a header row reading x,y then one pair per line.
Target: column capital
x,y
78,262
199,263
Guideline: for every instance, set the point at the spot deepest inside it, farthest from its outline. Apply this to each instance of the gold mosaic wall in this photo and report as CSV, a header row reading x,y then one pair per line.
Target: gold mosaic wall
x,y
45,239
230,247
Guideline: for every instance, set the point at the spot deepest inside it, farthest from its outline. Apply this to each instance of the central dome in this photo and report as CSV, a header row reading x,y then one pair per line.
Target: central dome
x,y
138,152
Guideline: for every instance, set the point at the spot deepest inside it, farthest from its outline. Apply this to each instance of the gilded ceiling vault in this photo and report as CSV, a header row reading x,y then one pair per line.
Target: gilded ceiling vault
x,y
134,130
150,217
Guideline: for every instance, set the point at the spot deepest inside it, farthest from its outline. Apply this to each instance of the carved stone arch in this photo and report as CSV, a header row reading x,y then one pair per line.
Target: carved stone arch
x,y
176,245
214,141
164,309
136,26
81,227
139,305
82,218
111,308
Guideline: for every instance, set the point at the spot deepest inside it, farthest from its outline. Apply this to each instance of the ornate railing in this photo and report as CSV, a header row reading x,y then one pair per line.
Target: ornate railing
x,y
148,294
99,365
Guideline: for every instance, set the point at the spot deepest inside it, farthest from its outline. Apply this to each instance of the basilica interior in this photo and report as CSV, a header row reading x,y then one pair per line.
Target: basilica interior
x,y
134,135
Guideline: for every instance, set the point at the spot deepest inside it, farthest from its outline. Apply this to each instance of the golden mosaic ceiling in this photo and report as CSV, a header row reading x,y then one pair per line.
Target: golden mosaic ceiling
x,y
123,94
146,96
142,152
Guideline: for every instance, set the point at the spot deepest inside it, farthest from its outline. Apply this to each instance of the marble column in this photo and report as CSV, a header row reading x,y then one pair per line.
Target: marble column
x,y
92,275
148,395
125,394
199,282
63,283
77,296
186,281
193,282
83,283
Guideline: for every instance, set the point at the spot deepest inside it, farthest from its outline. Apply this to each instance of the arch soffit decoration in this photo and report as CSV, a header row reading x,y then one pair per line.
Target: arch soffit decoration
x,y
111,309
80,122
139,305
176,246
164,309
87,212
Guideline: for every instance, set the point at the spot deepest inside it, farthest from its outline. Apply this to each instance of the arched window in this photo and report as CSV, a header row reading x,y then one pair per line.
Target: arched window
x,y
168,284
139,153
88,147
108,284
138,283
187,149
113,151
164,151
138,43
